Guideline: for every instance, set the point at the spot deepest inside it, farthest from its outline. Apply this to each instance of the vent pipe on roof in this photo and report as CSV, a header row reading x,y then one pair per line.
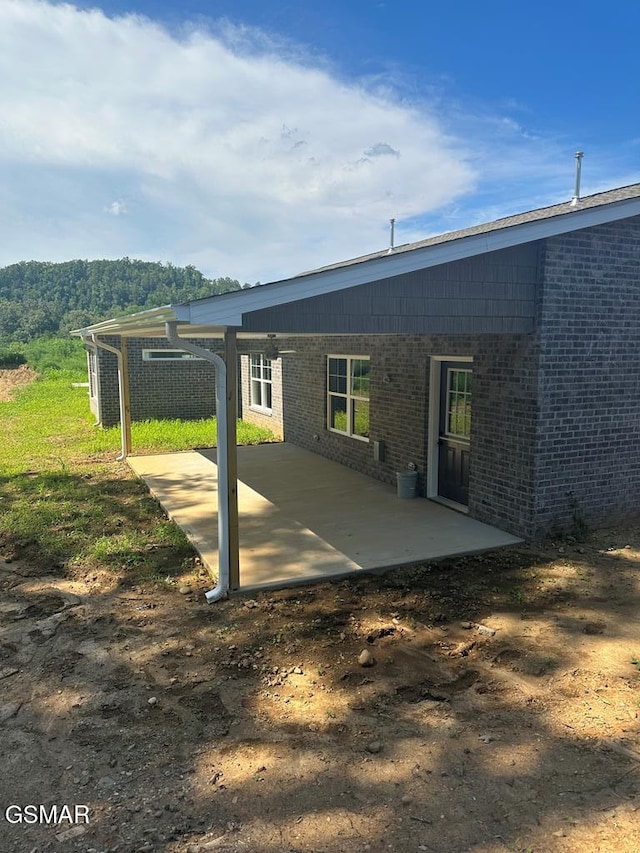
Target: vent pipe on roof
x,y
392,235
576,189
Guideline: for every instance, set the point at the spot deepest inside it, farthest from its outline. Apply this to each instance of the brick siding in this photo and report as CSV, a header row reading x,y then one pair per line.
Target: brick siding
x,y
503,421
158,389
588,430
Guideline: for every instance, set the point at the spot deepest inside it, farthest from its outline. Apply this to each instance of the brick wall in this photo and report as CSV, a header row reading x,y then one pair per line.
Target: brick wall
x,y
269,420
158,389
588,431
503,432
503,422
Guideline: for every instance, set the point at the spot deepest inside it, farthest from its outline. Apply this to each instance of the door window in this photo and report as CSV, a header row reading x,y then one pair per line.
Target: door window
x,y
458,422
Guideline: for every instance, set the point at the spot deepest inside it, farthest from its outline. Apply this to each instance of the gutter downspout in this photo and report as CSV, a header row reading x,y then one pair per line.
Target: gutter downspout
x,y
123,395
171,333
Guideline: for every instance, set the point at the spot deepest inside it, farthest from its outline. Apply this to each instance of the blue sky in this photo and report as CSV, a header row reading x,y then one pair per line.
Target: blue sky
x,y
259,139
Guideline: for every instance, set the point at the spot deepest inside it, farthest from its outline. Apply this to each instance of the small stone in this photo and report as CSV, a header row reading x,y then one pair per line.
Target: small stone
x,y
365,658
153,700
73,832
106,782
406,800
8,710
466,625
484,631
297,670
184,590
374,747
6,671
486,738
213,844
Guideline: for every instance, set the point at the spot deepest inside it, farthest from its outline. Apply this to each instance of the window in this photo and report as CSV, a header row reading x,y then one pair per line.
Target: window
x,y
168,355
260,394
348,395
92,362
459,403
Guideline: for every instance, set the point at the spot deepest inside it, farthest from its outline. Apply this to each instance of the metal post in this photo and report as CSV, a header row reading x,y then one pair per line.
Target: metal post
x,y
123,393
125,399
576,189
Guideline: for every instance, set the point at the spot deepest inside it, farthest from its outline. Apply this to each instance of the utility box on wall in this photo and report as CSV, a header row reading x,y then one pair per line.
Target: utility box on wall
x,y
378,451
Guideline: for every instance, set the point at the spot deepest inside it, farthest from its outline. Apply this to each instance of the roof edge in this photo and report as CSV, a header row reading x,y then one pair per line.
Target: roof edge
x,y
341,277
135,322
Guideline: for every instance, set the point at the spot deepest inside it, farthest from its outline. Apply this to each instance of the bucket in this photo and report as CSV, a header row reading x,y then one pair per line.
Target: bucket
x,y
407,482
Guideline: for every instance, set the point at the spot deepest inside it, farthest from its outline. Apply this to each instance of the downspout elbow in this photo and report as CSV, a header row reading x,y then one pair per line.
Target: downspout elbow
x,y
217,594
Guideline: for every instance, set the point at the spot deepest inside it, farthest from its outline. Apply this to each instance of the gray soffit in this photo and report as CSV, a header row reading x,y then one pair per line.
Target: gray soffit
x,y
221,311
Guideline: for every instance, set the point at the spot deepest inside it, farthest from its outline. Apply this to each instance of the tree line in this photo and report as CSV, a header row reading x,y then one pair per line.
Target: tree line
x,y
40,298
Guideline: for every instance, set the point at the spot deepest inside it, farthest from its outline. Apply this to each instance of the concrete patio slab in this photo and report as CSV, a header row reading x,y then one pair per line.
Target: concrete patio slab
x,y
304,518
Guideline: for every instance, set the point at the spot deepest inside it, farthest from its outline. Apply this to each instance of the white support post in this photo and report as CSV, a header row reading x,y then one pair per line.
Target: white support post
x,y
123,393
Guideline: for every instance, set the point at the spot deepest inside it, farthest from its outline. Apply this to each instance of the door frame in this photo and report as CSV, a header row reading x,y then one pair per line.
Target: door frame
x,y
433,425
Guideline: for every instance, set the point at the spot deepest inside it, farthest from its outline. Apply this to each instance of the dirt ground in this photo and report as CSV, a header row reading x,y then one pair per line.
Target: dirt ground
x,y
11,379
501,712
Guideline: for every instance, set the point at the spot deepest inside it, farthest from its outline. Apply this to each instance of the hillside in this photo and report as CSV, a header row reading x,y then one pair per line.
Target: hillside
x,y
39,298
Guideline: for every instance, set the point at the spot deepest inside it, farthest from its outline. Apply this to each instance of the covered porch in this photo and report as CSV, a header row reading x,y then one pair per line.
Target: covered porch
x,y
303,518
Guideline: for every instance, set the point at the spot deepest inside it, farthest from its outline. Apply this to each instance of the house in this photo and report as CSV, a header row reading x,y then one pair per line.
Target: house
x,y
163,382
501,362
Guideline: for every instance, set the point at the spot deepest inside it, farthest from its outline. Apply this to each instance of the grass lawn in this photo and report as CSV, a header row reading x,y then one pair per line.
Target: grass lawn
x,y
65,502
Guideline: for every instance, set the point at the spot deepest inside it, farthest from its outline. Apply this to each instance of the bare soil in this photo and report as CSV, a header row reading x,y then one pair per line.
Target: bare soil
x,y
250,725
14,378
501,712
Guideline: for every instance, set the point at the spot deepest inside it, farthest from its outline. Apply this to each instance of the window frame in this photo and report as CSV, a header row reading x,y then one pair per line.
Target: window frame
x,y
349,396
261,382
92,370
168,355
464,395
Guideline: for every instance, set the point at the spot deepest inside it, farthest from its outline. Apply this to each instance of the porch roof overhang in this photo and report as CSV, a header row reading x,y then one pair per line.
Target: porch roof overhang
x,y
211,316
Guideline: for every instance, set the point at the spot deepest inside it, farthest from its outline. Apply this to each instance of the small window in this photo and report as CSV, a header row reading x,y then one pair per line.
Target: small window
x,y
348,395
92,362
168,355
260,382
459,403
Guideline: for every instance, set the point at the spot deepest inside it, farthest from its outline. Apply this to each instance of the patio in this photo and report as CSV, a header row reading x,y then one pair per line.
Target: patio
x,y
304,518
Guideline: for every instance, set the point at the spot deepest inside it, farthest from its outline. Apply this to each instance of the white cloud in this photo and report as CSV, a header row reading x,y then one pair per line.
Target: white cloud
x,y
253,165
233,154
116,208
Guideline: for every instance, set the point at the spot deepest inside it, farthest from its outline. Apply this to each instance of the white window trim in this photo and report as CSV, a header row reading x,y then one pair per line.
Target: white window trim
x,y
168,355
256,407
348,396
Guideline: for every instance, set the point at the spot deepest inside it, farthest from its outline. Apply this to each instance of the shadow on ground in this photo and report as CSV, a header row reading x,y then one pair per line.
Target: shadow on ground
x,y
251,725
